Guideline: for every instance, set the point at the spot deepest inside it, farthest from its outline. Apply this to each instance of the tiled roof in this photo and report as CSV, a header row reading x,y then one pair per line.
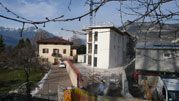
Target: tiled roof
x,y
54,40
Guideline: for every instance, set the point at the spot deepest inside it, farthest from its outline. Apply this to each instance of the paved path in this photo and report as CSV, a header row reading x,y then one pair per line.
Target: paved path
x,y
57,76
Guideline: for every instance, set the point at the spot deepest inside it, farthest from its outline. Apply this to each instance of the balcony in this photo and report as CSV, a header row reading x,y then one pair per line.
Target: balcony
x,y
56,54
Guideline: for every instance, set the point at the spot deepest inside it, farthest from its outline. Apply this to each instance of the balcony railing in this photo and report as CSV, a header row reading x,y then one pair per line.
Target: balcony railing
x,y
56,54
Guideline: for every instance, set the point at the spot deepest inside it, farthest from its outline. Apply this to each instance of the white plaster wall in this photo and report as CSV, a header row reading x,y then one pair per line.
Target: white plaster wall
x,y
86,48
103,48
51,47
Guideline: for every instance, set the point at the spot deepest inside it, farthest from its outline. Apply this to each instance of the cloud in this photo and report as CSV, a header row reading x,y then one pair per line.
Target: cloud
x,y
37,9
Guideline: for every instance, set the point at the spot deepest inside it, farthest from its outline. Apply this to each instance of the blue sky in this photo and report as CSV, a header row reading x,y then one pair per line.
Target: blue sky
x,y
37,10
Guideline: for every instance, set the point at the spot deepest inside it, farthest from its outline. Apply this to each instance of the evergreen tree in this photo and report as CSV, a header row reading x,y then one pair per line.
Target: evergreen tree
x,y
27,42
20,44
2,45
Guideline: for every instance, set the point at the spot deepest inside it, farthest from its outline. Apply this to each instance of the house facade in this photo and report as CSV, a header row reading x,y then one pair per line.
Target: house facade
x,y
157,57
106,47
53,49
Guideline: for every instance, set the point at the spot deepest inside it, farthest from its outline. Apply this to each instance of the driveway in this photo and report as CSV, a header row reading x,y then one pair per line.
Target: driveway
x,y
57,77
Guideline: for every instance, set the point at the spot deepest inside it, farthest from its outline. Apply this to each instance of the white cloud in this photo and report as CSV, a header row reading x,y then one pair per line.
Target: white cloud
x,y
37,9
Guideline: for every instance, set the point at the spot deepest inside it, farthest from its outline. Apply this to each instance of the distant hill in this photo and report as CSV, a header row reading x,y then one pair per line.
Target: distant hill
x,y
152,32
12,35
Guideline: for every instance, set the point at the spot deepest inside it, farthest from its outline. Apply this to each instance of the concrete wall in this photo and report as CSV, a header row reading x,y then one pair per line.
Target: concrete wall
x,y
72,74
154,60
116,49
51,47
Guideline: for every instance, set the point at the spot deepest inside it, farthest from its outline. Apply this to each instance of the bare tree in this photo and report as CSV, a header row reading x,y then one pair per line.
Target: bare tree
x,y
39,36
76,40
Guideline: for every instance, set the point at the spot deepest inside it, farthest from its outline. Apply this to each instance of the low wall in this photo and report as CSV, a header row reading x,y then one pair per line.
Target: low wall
x,y
74,74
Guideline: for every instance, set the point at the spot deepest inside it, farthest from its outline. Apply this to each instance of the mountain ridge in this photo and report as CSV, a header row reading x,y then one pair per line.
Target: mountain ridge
x,y
151,33
12,35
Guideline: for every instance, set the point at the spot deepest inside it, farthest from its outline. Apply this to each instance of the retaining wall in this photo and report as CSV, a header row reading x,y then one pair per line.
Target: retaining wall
x,y
74,74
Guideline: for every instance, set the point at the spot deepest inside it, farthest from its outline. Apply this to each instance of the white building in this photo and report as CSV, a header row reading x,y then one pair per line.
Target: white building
x,y
106,47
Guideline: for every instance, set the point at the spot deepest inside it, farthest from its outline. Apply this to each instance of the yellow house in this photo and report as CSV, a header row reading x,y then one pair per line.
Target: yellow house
x,y
53,49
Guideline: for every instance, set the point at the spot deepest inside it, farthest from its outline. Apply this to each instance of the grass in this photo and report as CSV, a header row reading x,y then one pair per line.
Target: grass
x,y
12,79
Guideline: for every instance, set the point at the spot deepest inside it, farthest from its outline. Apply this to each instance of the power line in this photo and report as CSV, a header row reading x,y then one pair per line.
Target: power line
x,y
73,31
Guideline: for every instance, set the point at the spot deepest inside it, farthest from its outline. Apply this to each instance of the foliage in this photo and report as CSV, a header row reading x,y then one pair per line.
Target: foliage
x,y
20,44
22,66
12,79
27,42
80,49
2,45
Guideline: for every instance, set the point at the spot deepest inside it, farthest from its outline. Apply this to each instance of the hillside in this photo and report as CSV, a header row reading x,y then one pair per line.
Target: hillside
x,y
151,32
12,35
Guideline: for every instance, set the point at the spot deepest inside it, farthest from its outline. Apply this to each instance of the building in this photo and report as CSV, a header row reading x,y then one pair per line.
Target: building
x,y
81,58
106,47
157,57
53,49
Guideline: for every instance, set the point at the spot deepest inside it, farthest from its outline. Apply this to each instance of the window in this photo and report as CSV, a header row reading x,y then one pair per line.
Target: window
x,y
167,55
56,51
64,51
90,36
95,36
95,49
45,50
95,62
89,48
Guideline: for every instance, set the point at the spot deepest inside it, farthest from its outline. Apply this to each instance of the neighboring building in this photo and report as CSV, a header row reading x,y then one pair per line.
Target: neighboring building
x,y
163,57
53,49
81,58
106,47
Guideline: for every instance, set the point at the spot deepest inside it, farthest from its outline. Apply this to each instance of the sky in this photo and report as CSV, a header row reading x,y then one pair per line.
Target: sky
x,y
38,10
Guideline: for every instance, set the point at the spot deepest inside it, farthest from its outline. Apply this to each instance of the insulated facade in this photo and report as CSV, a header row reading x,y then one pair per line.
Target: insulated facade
x,y
106,47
